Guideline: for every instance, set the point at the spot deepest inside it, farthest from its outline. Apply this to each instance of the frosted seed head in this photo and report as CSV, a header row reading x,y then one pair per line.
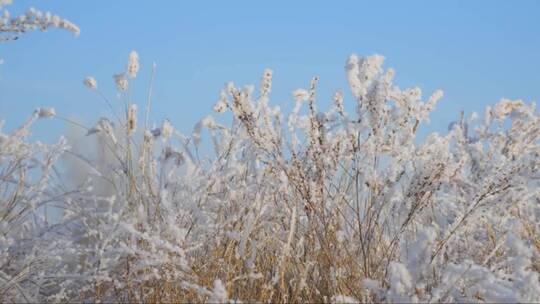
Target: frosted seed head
x,y
166,129
266,83
133,64
90,82
338,101
300,95
220,106
132,119
121,82
45,112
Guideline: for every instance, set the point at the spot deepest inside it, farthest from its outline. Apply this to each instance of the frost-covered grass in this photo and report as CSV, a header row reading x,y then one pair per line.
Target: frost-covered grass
x,y
259,205
309,206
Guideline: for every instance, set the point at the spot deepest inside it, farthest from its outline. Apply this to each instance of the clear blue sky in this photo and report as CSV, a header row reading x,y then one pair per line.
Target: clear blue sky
x,y
476,51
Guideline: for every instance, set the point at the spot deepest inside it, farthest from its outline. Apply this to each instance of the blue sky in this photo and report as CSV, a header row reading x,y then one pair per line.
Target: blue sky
x,y
475,51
